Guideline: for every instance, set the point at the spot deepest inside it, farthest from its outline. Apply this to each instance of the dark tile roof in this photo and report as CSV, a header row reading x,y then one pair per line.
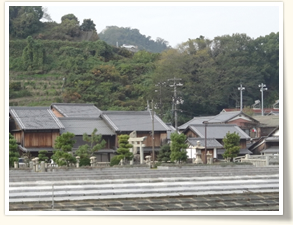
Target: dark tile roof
x,y
35,118
77,110
133,121
217,131
79,126
224,117
195,120
35,149
211,142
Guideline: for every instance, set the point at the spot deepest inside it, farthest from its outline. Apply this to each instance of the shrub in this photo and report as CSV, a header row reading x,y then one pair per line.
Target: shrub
x,y
115,160
84,162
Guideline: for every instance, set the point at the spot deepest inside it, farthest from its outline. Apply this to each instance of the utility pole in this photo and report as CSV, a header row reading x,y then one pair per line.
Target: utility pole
x,y
262,88
160,84
153,134
241,89
175,99
205,141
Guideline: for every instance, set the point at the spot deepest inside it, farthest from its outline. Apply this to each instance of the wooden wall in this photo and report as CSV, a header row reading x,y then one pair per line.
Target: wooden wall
x,y
190,134
17,135
160,138
40,139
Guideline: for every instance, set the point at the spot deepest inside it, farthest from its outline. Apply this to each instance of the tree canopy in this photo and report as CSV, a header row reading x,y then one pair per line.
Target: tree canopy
x,y
112,78
231,145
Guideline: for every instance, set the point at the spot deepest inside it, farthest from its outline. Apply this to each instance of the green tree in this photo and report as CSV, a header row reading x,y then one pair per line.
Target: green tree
x,y
43,155
62,158
33,55
232,145
64,142
70,25
24,20
164,153
178,147
13,151
96,143
88,25
63,155
124,146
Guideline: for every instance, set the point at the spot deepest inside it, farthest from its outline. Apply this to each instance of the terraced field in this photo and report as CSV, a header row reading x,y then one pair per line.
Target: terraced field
x,y
37,90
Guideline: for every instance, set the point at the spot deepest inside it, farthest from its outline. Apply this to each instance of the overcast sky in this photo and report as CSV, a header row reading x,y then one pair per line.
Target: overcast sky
x,y
176,22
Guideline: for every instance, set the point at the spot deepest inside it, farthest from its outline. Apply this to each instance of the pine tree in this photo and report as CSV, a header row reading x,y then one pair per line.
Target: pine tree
x,y
124,146
232,145
178,147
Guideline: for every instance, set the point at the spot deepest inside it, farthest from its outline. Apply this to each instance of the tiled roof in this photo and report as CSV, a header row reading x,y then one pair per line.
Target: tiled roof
x,y
224,117
217,131
32,118
77,110
195,120
79,126
268,121
211,142
133,121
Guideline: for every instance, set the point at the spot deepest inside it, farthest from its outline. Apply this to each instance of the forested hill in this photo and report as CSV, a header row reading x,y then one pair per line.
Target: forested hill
x,y
114,35
43,71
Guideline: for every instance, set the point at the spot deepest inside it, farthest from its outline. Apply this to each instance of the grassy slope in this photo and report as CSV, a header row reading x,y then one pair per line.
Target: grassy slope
x,y
45,89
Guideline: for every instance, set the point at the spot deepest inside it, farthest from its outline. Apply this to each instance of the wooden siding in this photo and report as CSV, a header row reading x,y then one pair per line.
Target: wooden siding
x,y
190,134
160,138
39,139
17,135
54,136
243,124
57,114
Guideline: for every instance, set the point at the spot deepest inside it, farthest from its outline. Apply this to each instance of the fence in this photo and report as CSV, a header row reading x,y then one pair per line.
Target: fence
x,y
258,160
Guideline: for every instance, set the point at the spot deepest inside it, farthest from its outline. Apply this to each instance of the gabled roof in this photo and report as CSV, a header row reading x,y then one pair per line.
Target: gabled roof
x,y
133,121
272,137
195,120
211,142
274,132
225,117
35,118
79,126
268,121
77,110
217,131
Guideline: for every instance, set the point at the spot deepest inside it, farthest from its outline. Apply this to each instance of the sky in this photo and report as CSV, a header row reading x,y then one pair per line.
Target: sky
x,y
177,22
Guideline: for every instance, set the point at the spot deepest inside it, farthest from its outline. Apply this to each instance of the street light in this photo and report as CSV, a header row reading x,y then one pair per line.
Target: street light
x,y
262,88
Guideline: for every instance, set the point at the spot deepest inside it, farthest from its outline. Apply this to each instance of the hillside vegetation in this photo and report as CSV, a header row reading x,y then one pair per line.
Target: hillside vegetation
x,y
47,67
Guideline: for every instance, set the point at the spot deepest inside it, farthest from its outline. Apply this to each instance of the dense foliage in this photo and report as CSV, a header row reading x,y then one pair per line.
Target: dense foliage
x,y
116,79
231,145
42,155
123,150
63,155
125,35
178,147
13,151
164,153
